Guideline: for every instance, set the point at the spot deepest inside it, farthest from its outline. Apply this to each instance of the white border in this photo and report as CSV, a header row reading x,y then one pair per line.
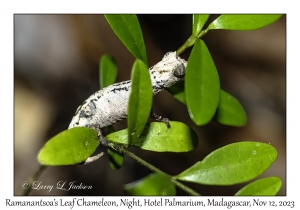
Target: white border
x,y
6,72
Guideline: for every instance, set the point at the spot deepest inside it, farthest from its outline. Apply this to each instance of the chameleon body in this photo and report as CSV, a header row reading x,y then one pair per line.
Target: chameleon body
x,y
109,105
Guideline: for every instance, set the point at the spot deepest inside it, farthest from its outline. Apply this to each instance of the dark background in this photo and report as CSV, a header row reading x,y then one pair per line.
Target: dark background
x,y
56,68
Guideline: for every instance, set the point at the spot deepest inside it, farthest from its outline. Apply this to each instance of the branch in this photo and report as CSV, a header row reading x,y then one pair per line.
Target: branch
x,y
122,150
190,42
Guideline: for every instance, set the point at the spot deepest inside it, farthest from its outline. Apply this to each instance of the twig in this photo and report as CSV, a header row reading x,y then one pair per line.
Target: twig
x,y
122,150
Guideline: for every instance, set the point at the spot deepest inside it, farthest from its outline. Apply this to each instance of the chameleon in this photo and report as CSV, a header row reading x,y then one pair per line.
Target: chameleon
x,y
109,105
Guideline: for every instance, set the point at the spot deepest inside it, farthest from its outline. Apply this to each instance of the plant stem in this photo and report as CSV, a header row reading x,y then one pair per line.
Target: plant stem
x,y
122,150
190,41
27,186
185,188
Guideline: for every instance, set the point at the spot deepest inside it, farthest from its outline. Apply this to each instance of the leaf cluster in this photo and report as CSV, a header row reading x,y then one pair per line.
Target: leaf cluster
x,y
200,91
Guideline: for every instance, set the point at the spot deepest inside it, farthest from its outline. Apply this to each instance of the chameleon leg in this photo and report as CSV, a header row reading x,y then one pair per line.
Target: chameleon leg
x,y
102,140
160,118
93,158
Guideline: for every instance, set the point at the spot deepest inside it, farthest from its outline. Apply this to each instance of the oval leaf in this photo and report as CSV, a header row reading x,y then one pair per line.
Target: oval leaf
x,y
140,100
202,85
157,137
153,184
69,147
243,22
128,29
108,71
231,164
198,23
266,186
230,111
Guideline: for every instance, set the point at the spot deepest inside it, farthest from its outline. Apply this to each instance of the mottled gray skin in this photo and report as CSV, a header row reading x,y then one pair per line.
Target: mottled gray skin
x,y
109,105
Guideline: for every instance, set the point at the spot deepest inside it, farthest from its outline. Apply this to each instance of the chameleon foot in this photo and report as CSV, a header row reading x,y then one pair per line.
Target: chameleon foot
x,y
93,158
160,118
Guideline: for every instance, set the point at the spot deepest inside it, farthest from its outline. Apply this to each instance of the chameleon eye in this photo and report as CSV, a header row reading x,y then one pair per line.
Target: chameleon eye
x,y
179,71
88,110
83,114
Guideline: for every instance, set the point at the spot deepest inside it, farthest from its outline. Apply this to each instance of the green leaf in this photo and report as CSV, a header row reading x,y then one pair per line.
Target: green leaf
x,y
153,184
243,22
157,137
202,85
108,71
140,100
115,158
198,23
128,29
266,186
230,111
69,147
231,164
177,90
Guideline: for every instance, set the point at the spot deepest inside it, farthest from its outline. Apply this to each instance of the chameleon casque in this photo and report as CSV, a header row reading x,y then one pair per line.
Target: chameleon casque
x,y
109,105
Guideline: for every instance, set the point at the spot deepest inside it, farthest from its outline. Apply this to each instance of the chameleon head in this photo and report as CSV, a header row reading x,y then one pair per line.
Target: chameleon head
x,y
168,71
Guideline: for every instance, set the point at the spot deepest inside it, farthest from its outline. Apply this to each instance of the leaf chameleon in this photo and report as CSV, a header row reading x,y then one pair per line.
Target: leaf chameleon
x,y
109,105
